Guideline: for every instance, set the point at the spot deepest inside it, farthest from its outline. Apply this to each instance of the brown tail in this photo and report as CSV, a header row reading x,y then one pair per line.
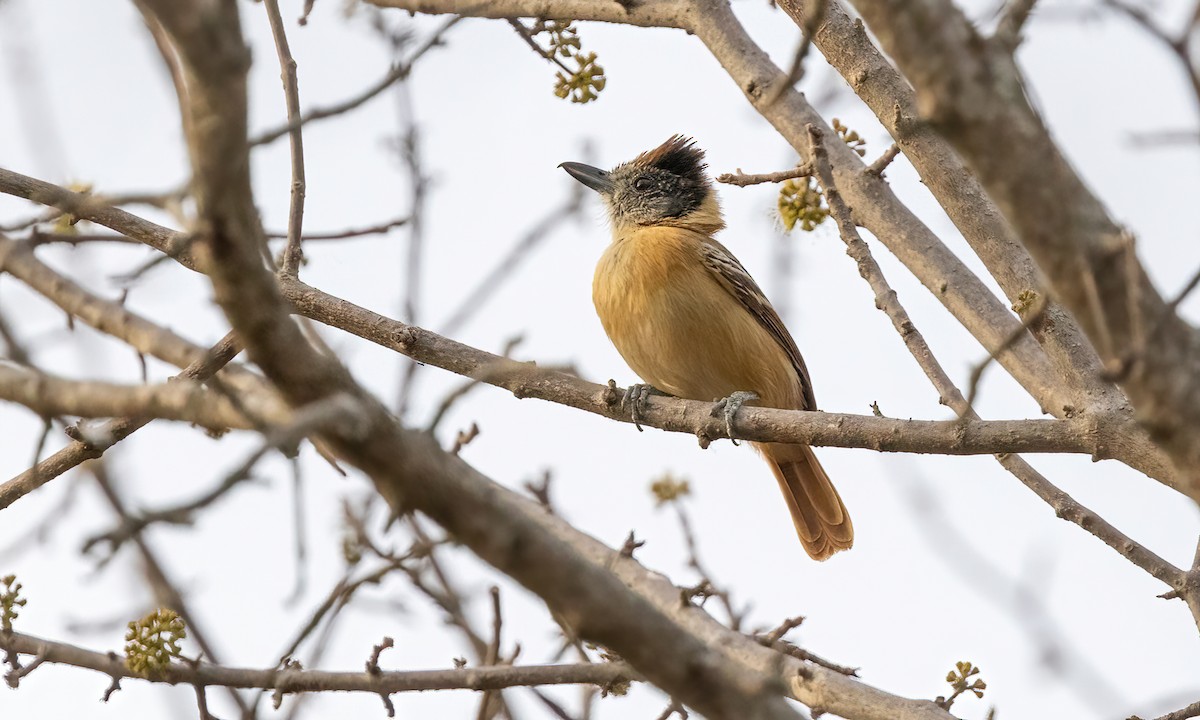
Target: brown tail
x,y
817,510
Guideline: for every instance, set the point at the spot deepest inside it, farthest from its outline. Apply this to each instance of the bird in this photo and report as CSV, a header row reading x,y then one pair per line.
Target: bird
x,y
691,322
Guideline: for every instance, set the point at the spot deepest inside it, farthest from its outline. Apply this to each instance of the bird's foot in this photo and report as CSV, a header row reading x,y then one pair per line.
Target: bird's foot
x,y
728,407
635,401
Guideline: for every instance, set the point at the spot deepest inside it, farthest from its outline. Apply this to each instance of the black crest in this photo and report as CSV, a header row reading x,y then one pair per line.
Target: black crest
x,y
679,156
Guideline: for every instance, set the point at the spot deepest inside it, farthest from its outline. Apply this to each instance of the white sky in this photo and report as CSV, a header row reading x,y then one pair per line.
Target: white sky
x,y
904,605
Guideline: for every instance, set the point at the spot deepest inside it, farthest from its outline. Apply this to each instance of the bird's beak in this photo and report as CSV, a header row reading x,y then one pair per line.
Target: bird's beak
x,y
595,178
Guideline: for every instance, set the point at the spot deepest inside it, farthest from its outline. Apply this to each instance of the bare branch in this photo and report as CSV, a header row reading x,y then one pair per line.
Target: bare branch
x,y
398,72
292,256
972,91
1059,381
850,50
1190,711
743,180
1105,438
114,430
379,229
1064,505
301,681
408,468
876,168
183,401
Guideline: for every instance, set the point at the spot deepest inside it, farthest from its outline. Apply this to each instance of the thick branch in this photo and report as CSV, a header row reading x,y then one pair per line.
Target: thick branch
x,y
183,400
1064,505
526,380
848,48
970,88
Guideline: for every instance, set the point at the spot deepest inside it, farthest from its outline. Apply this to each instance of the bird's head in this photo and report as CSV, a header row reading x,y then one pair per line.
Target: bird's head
x,y
666,186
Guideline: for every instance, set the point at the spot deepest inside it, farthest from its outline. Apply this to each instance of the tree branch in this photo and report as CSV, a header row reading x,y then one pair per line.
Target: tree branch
x,y
637,616
1097,435
847,47
970,89
292,254
202,674
109,433
1063,504
1063,383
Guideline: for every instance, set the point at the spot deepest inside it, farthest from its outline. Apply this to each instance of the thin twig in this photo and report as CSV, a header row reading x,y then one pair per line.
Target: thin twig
x,y
527,35
506,268
1186,713
292,256
742,179
166,591
398,71
881,163
1030,317
379,229
206,674
795,72
486,709
419,185
736,617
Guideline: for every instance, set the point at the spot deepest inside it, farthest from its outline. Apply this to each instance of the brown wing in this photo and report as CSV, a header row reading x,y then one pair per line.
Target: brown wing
x,y
734,278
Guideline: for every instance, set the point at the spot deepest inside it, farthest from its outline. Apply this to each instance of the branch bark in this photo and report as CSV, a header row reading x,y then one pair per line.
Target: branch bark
x,y
204,674
640,617
970,89
184,400
1102,437
108,434
1064,382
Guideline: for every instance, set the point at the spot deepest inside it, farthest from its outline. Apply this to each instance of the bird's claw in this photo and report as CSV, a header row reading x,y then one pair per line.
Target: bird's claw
x,y
728,408
635,401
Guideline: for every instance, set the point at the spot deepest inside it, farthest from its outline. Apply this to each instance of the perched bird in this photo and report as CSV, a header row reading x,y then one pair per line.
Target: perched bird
x,y
692,323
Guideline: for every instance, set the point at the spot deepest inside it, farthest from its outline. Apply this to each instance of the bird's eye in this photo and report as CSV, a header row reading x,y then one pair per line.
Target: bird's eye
x,y
643,184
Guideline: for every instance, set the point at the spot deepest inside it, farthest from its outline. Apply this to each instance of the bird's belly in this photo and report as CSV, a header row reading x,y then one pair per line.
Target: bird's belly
x,y
689,337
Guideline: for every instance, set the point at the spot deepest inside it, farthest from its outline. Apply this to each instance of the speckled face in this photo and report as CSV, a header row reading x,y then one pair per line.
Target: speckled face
x,y
649,195
661,186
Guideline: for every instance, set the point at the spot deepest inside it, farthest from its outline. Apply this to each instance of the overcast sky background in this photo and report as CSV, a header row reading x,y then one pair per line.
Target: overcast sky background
x,y
85,99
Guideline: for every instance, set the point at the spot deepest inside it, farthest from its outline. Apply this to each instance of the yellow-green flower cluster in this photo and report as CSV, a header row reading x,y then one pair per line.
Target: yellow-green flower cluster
x,y
153,641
